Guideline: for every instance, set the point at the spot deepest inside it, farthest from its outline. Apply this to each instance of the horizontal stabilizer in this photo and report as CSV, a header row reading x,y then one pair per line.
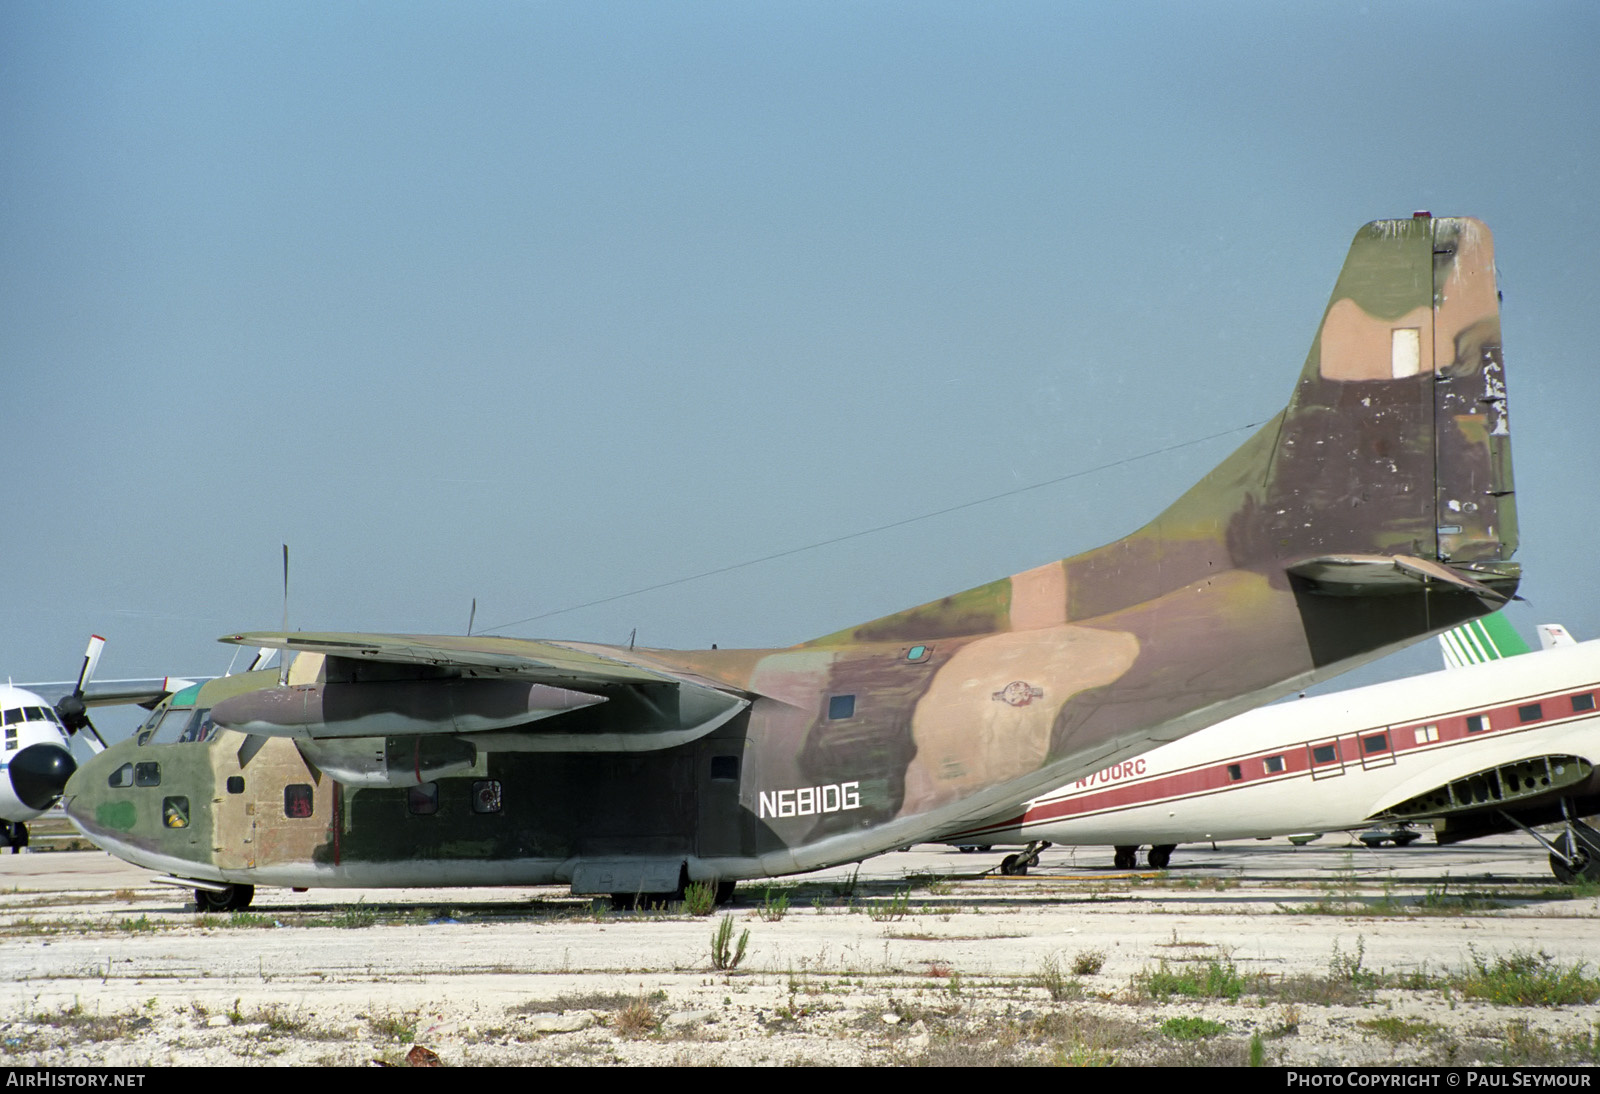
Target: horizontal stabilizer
x,y
1375,575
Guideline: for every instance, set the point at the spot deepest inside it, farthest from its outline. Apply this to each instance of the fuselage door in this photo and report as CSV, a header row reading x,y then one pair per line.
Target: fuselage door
x,y
1327,758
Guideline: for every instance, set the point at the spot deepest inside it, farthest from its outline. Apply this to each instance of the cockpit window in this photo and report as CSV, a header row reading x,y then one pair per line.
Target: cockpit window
x,y
149,725
37,714
174,724
13,716
200,727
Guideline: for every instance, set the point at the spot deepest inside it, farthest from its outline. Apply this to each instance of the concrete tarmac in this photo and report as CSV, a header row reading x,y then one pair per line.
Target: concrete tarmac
x,y
82,927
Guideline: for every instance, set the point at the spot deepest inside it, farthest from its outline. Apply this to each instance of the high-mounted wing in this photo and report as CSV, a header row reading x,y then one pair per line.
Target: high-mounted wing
x,y
370,694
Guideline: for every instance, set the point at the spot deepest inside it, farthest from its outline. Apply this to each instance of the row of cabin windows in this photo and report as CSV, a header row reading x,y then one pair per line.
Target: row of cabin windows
x,y
1379,742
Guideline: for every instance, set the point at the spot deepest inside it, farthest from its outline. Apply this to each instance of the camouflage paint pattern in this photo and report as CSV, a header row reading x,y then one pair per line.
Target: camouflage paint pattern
x,y
1375,510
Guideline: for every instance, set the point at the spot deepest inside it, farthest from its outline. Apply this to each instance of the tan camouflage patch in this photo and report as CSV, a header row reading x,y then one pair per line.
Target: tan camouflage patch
x,y
988,715
1358,346
1039,597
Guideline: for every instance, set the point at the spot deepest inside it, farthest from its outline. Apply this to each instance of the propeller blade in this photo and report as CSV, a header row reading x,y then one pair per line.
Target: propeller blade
x,y
72,710
91,661
98,744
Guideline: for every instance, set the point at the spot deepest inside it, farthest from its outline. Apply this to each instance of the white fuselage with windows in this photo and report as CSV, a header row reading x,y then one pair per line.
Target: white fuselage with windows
x,y
1329,763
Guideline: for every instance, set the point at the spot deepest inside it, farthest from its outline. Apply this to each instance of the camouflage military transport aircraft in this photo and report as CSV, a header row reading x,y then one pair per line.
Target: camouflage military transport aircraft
x,y
1375,510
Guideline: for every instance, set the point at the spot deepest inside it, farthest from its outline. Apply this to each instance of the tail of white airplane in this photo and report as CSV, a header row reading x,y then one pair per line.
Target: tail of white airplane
x,y
1488,639
1554,634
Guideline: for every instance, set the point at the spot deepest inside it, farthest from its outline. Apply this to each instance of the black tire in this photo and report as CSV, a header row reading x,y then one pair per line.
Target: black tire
x,y
1125,858
1586,868
1161,854
1406,839
231,898
724,892
1014,866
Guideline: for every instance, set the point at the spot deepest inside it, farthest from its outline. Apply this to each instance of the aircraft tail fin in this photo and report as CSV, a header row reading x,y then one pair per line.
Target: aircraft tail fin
x,y
1387,477
1552,635
1488,639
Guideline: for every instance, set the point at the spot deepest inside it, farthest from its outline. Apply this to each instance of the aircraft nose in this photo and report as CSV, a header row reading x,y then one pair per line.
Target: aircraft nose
x,y
39,774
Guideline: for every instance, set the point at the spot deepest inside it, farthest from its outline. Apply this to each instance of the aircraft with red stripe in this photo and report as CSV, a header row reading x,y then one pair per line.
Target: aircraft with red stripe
x,y
1503,739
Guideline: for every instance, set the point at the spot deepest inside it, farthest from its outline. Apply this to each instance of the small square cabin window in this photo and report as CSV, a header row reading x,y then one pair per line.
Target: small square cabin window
x,y
236,784
1273,764
841,706
175,812
1378,742
1530,713
1235,772
297,800
1582,702
1426,734
1477,723
147,774
1324,754
486,796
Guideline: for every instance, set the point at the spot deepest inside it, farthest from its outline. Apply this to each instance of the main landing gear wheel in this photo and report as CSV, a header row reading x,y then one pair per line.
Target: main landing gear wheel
x,y
1017,865
1161,854
1582,865
1125,858
16,835
232,898
724,893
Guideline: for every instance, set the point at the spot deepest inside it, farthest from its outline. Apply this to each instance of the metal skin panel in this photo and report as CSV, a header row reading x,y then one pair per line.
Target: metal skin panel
x,y
900,728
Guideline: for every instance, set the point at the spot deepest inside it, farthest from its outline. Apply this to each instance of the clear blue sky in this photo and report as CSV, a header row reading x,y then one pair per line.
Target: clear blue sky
x,y
543,303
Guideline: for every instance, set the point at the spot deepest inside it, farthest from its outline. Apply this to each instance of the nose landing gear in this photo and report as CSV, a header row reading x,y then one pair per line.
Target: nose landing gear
x,y
229,898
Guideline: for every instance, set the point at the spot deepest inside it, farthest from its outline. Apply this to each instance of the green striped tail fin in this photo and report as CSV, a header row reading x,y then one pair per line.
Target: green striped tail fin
x,y
1488,639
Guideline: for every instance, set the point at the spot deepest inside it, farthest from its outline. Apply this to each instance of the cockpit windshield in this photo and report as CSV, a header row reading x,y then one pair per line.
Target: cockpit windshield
x,y
180,725
18,715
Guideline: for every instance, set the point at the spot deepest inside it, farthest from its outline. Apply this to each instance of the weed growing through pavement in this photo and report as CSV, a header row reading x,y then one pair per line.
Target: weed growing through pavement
x,y
1397,1030
700,898
400,1028
891,910
1213,980
638,1018
774,907
1189,1028
724,953
1523,978
1088,962
1057,984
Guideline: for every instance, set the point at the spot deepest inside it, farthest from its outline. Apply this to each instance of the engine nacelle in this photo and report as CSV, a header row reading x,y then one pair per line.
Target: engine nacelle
x,y
389,761
387,708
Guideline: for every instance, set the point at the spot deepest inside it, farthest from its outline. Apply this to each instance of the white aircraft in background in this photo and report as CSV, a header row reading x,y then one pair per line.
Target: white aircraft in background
x,y
1495,742
39,722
